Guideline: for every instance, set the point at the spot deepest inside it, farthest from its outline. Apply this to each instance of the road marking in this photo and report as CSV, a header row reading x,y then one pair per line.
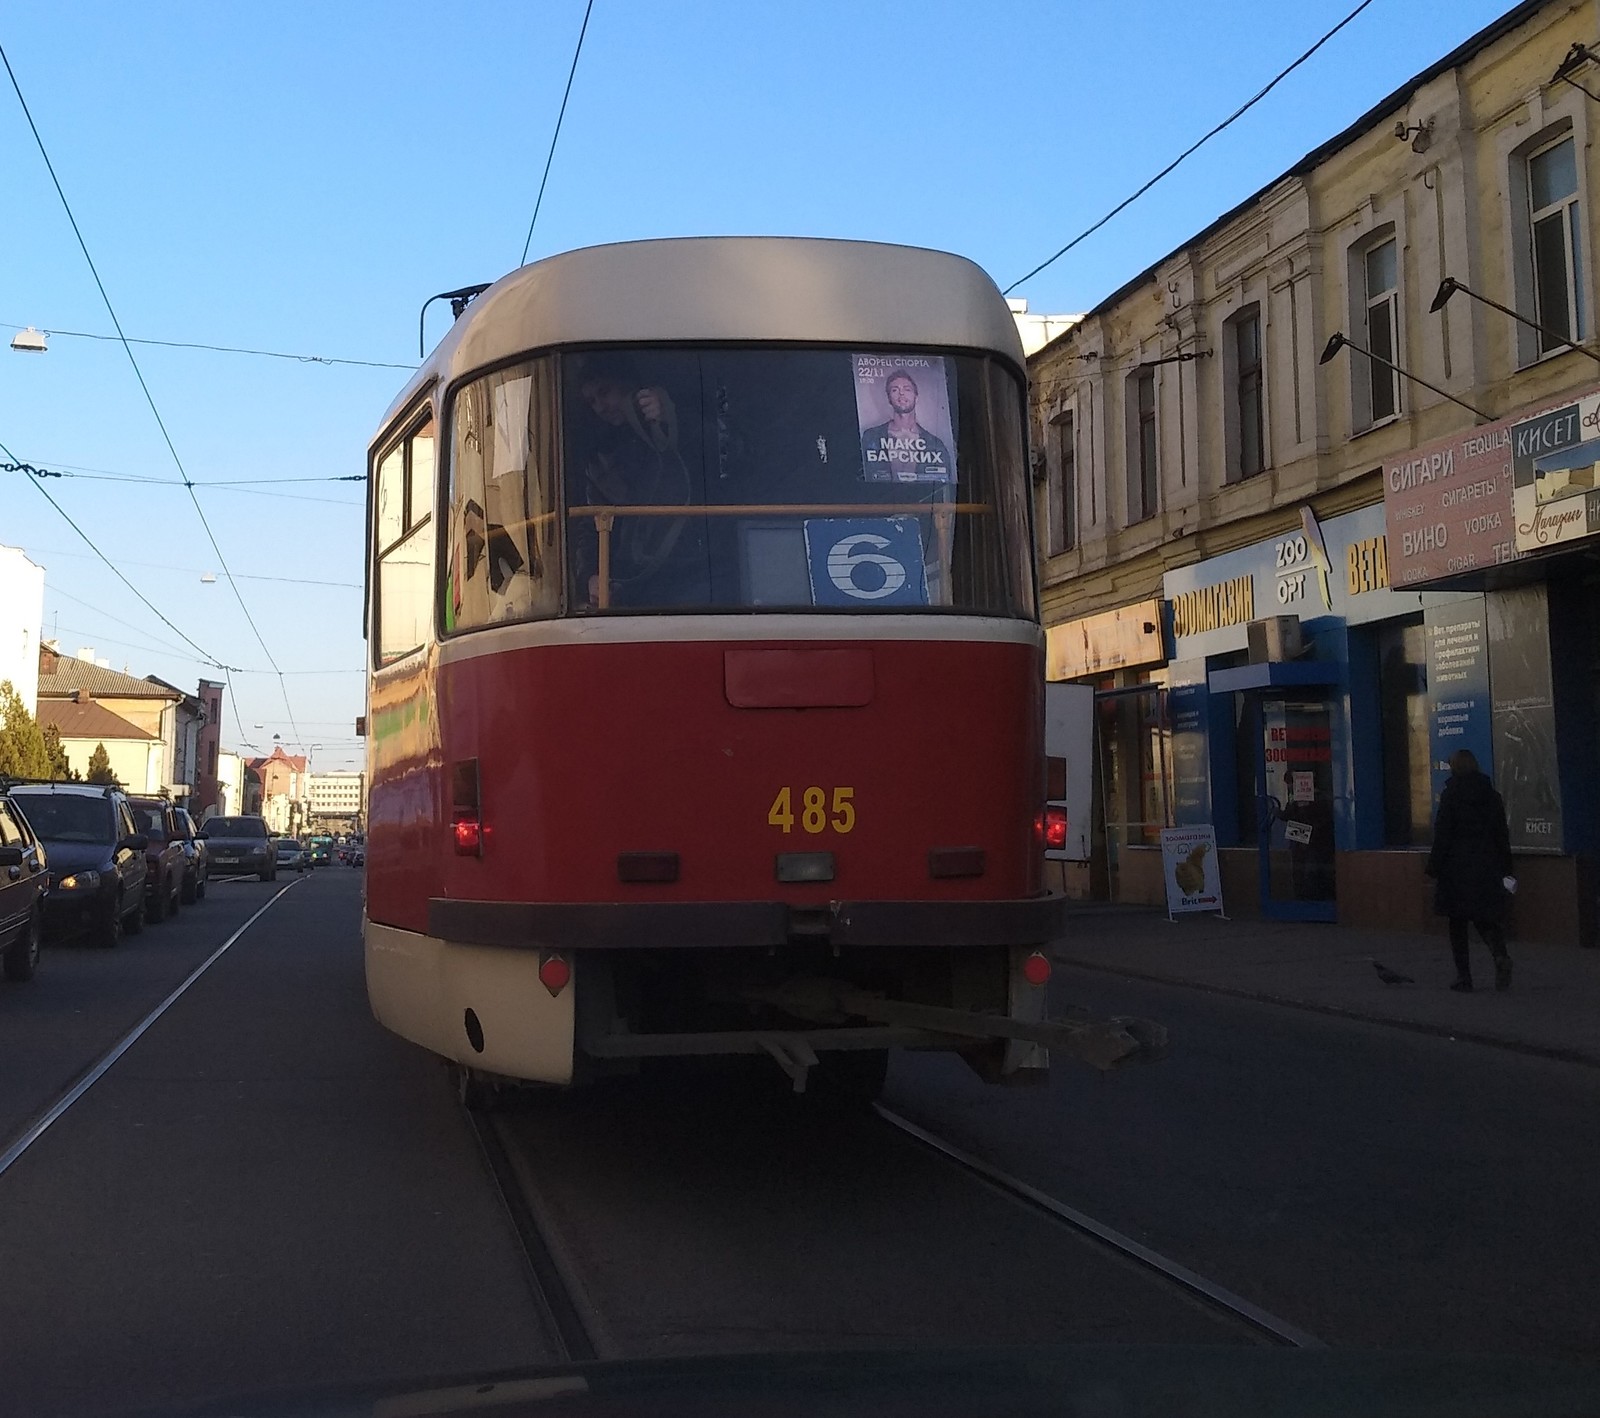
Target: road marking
x,y
1254,1315
37,1130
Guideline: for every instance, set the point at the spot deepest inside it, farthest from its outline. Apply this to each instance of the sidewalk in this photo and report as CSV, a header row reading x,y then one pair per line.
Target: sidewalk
x,y
1553,1007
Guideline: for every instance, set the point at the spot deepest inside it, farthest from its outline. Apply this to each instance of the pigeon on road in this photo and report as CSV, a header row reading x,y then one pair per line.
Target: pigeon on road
x,y
1390,977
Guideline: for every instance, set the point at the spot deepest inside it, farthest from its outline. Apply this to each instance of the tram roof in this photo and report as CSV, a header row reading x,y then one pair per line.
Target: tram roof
x,y
728,288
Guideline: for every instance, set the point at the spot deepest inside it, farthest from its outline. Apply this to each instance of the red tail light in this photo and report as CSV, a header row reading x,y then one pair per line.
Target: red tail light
x,y
1036,968
554,973
469,833
1055,829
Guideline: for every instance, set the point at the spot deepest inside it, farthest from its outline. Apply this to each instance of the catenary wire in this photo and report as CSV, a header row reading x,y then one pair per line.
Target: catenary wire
x,y
550,156
1192,148
201,571
139,375
218,349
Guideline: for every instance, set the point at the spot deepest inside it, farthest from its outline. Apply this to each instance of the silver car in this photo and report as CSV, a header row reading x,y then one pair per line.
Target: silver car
x,y
293,855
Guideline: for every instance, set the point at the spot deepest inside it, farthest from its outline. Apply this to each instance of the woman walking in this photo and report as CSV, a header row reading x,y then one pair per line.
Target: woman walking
x,y
1470,862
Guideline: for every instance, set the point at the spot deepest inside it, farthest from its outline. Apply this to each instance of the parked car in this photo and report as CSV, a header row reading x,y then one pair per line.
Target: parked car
x,y
168,863
24,883
199,859
240,846
292,855
97,858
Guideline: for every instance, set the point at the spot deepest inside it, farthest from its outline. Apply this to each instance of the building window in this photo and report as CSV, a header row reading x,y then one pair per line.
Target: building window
x,y
1143,485
1064,505
1247,435
1381,267
1555,231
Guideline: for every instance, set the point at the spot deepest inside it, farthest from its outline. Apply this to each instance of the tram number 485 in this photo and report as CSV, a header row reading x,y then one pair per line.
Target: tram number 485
x,y
816,812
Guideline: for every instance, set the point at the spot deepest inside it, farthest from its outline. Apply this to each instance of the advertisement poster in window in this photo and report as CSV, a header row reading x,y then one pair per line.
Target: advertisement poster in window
x,y
1189,868
903,410
1459,706
1555,477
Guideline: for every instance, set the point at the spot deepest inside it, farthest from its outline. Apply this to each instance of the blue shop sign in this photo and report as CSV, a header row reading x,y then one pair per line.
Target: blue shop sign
x,y
1336,569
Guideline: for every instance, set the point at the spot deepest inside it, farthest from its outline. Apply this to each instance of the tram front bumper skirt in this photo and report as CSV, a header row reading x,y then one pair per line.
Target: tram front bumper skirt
x,y
632,925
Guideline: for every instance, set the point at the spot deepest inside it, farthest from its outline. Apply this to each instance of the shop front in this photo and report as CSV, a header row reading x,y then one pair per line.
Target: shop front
x,y
1510,511
1309,702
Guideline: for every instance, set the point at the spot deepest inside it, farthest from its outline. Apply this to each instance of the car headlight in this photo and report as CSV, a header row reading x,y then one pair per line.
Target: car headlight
x,y
80,881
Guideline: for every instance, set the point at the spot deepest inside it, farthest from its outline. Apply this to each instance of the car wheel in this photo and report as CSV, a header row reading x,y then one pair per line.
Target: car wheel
x,y
191,888
110,932
200,887
22,955
156,910
175,901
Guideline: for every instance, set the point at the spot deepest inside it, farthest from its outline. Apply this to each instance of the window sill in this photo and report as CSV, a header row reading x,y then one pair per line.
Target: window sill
x,y
1549,355
1388,422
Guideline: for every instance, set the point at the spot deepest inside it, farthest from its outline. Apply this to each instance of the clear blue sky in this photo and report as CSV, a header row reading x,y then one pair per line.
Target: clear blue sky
x,y
301,177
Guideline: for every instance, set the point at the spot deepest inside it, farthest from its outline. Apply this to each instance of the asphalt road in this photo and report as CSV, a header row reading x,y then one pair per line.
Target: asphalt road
x,y
269,1191
266,1191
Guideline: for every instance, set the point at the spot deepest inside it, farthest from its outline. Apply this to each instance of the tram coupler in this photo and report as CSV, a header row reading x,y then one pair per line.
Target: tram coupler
x,y
1100,1042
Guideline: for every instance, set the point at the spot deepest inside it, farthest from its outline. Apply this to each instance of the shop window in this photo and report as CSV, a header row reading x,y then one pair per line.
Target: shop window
x,y
1135,740
1403,707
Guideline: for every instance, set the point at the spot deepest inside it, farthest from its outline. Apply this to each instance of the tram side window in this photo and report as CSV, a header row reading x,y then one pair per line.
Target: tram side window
x,y
405,543
503,553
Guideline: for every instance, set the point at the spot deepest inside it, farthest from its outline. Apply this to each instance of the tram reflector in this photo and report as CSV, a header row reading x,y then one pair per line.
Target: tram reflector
x,y
554,973
1036,968
1055,829
469,833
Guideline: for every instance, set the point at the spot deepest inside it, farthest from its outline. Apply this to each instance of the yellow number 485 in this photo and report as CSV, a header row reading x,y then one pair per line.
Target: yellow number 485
x,y
815,815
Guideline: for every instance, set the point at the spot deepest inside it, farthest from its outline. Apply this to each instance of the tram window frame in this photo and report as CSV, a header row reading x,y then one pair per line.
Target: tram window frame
x,y
422,529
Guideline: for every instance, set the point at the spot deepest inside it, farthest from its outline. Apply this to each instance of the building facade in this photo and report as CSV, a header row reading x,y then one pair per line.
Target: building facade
x,y
89,703
1299,576
208,776
284,790
338,801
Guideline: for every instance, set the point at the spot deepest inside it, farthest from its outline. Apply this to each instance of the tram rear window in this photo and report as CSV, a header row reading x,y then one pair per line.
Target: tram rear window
x,y
793,480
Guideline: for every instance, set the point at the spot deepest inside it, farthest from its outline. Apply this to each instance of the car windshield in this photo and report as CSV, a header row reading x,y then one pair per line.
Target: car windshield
x,y
288,844
67,817
234,827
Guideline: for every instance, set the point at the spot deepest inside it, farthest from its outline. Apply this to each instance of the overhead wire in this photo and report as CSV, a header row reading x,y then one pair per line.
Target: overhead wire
x,y
139,375
550,156
1191,149
201,571
218,349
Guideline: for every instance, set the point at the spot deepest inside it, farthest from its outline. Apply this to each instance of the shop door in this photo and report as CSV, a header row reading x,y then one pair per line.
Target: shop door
x,y
1294,797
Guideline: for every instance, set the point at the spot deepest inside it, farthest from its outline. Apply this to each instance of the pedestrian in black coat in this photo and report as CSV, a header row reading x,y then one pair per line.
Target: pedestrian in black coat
x,y
1470,861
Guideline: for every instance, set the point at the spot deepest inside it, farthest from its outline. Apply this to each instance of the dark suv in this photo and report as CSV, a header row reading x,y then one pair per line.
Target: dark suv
x,y
97,867
168,863
24,881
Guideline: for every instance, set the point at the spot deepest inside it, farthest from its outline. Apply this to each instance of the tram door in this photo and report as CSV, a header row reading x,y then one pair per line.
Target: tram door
x,y
1295,802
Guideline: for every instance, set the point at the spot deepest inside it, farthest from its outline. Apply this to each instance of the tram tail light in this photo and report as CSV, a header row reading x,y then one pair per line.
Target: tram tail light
x,y
1054,822
555,974
465,822
468,832
1036,968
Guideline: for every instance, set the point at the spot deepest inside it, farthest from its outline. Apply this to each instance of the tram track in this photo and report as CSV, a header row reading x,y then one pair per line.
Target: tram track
x,y
575,1318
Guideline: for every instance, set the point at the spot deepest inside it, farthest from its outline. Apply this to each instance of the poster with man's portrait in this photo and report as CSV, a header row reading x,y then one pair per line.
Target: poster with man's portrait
x,y
903,404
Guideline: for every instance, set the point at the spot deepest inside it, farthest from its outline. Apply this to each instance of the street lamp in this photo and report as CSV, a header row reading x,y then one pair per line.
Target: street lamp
x,y
30,341
1450,285
1338,341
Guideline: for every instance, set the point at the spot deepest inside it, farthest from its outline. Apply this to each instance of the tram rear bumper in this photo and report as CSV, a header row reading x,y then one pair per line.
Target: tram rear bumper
x,y
668,924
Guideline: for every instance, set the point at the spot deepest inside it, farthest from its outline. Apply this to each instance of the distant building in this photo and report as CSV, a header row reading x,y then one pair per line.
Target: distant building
x,y
21,613
208,750
228,784
338,801
284,789
89,703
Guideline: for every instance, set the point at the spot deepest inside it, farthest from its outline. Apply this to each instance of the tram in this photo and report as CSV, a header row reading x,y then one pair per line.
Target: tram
x,y
706,678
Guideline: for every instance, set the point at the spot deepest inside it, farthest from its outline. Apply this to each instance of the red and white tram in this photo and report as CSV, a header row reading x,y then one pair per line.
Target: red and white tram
x,y
706,676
